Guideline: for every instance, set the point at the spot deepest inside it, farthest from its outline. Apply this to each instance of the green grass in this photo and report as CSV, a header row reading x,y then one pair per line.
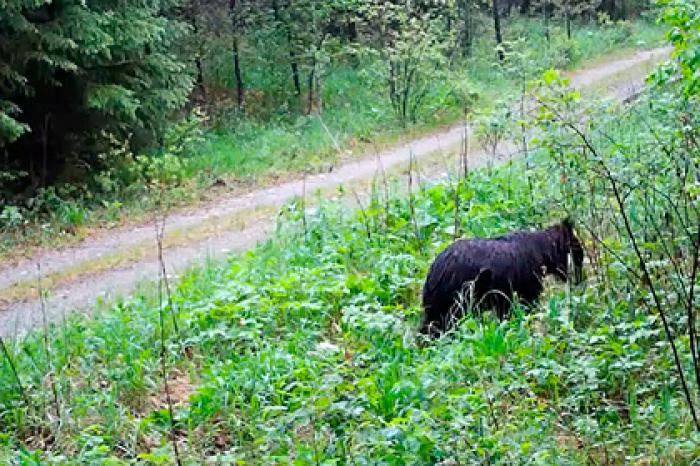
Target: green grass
x,y
303,351
255,151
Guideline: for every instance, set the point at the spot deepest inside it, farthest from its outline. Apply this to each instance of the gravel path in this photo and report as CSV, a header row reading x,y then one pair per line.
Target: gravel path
x,y
81,294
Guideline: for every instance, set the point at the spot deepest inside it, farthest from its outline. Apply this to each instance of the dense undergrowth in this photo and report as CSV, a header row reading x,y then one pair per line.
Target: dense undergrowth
x,y
197,156
304,350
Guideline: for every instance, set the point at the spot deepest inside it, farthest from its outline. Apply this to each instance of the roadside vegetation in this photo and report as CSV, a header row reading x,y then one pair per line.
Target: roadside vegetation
x,y
224,130
304,350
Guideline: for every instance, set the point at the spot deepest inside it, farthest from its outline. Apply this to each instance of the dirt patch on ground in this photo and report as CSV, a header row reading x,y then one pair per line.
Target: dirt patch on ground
x,y
179,388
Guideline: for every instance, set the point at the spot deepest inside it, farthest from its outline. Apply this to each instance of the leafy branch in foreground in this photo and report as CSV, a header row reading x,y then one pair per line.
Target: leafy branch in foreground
x,y
617,180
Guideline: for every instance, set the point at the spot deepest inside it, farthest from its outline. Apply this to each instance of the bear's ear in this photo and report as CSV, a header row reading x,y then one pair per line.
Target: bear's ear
x,y
568,224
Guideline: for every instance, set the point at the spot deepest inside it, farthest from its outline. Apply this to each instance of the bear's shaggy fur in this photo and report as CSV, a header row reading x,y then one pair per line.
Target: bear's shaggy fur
x,y
487,273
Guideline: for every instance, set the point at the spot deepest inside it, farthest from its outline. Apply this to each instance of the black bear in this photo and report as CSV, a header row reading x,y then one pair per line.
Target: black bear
x,y
487,273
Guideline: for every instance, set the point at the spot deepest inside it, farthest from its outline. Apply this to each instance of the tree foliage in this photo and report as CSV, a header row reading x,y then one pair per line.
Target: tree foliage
x,y
71,70
684,19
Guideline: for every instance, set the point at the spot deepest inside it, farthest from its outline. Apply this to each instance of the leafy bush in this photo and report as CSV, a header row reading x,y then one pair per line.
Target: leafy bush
x,y
11,217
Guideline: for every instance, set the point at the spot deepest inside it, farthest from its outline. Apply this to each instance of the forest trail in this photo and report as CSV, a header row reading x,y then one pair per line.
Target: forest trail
x,y
113,263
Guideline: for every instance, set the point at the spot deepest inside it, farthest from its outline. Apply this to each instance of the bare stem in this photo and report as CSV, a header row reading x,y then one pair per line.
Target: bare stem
x,y
411,206
303,205
47,345
160,231
163,351
690,309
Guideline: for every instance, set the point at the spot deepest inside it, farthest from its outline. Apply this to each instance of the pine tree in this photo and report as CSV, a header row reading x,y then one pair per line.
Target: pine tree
x,y
72,70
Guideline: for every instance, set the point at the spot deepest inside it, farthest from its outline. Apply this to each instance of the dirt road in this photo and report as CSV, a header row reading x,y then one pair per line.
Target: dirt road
x,y
115,262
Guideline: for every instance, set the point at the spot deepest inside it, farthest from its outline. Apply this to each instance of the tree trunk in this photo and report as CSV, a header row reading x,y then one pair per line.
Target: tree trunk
x,y
240,89
200,77
470,30
524,7
290,43
392,88
295,73
497,27
314,83
352,31
194,11
319,96
467,34
568,21
45,148
545,16
310,89
406,93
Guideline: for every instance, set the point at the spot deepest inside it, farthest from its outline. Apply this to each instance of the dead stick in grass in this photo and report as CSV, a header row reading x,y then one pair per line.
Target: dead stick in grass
x,y
163,351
